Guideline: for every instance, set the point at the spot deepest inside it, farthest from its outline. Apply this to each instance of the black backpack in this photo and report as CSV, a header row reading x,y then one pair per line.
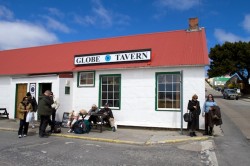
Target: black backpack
x,y
57,127
81,126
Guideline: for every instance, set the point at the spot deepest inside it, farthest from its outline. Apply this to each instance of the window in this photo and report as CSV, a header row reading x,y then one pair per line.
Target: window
x,y
67,90
110,90
168,92
86,79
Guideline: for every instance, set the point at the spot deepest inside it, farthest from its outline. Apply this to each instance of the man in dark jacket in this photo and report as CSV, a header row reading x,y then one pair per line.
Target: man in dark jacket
x,y
45,111
108,116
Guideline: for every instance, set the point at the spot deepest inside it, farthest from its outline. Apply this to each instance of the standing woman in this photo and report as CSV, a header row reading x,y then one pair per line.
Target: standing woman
x,y
23,109
207,113
194,108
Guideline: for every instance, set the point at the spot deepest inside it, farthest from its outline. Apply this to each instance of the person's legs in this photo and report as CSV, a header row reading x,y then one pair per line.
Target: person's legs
x,y
194,125
53,120
92,118
210,132
33,120
191,130
44,125
26,127
40,127
72,125
112,124
20,130
206,124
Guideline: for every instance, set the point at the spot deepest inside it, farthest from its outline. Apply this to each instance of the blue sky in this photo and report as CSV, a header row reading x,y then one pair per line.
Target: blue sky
x,y
26,23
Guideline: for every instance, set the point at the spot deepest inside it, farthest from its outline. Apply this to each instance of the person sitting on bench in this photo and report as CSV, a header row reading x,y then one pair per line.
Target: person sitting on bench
x,y
94,110
74,116
108,116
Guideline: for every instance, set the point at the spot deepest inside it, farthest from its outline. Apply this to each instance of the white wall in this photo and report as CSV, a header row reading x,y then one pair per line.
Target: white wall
x,y
194,83
138,96
5,98
34,79
65,100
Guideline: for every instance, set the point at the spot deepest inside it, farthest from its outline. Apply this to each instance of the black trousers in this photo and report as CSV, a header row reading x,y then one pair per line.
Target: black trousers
x,y
43,124
53,116
52,120
23,127
93,118
192,126
208,130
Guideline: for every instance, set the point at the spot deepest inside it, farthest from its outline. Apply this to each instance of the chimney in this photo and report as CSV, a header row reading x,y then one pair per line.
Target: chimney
x,y
193,24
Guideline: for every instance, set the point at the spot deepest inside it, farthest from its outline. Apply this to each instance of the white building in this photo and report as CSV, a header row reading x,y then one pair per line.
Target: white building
x,y
147,79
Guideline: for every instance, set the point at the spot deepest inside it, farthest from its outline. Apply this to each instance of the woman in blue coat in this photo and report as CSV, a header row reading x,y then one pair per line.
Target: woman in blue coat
x,y
207,114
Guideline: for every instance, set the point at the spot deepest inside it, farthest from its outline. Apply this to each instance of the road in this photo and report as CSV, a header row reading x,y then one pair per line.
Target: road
x,y
233,146
59,151
229,147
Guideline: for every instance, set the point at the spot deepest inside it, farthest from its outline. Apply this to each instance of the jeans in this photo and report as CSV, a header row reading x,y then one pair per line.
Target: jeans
x,y
23,127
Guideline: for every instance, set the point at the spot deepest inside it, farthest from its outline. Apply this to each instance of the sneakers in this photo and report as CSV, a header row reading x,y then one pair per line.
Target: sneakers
x,y
20,136
113,129
70,131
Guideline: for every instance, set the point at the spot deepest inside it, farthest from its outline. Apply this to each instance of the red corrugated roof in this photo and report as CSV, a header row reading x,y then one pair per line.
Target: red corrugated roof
x,y
173,48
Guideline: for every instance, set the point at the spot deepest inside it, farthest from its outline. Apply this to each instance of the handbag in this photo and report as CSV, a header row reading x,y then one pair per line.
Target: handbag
x,y
187,117
29,117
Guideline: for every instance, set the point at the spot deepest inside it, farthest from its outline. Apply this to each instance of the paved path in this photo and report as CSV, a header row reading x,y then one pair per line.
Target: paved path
x,y
139,136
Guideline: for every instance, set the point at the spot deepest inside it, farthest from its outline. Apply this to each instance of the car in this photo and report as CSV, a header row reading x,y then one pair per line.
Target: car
x,y
230,94
218,88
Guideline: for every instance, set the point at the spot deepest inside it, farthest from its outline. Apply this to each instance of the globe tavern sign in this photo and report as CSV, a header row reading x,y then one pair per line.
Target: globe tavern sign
x,y
138,55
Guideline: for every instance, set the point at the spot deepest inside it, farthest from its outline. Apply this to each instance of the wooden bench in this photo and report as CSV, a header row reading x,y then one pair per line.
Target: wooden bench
x,y
101,124
4,113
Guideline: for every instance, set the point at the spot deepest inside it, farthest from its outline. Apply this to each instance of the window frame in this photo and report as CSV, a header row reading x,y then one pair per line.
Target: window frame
x,y
156,92
86,85
100,90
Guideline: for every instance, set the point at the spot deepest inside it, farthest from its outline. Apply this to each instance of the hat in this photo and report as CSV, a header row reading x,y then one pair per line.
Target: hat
x,y
94,106
83,112
28,94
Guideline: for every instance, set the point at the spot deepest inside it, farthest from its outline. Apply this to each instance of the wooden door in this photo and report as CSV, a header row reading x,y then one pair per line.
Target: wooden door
x,y
21,90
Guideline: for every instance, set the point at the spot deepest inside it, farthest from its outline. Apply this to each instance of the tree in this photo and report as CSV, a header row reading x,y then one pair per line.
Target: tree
x,y
230,58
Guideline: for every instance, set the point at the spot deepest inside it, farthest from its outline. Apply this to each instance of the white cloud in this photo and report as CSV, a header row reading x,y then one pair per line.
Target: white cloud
x,y
179,4
86,20
246,23
5,13
55,12
102,17
56,25
223,36
101,12
23,34
20,33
